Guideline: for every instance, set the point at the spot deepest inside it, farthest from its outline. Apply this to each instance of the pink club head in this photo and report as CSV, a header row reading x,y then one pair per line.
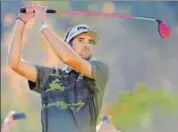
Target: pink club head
x,y
163,29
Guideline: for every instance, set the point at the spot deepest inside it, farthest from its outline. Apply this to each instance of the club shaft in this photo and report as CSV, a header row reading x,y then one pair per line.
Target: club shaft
x,y
92,13
144,18
103,14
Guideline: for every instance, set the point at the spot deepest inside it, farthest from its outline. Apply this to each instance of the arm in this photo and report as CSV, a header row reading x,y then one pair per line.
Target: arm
x,y
106,125
96,70
14,57
66,54
8,122
35,74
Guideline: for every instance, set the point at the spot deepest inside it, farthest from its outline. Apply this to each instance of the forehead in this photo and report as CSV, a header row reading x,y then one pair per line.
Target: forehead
x,y
85,35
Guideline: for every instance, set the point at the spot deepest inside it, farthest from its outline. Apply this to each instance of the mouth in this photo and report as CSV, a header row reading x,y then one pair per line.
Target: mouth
x,y
86,50
86,53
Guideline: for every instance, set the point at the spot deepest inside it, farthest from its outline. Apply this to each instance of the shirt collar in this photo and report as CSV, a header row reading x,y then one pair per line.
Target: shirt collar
x,y
67,69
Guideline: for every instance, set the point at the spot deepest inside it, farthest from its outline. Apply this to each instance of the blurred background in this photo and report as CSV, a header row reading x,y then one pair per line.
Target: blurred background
x,y
142,92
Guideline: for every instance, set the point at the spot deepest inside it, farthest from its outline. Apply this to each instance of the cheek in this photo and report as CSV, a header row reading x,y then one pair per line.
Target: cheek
x,y
76,47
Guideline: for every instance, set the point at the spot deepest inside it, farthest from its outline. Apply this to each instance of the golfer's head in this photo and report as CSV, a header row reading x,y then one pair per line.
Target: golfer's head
x,y
82,39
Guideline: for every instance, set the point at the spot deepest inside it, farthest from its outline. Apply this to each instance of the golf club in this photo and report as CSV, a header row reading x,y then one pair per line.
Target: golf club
x,y
163,29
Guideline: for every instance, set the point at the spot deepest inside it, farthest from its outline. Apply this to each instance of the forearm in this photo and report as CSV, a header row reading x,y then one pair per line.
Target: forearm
x,y
61,49
8,122
6,125
15,48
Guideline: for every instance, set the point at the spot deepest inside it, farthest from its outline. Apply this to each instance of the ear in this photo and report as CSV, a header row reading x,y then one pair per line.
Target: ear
x,y
71,43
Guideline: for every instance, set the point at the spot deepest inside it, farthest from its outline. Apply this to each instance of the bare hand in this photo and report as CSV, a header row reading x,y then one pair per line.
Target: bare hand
x,y
29,15
40,13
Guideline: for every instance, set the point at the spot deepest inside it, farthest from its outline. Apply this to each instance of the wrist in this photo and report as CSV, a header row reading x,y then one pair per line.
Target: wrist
x,y
21,20
43,26
20,24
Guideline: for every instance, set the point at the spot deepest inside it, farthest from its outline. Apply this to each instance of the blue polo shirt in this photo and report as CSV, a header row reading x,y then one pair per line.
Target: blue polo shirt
x,y
70,102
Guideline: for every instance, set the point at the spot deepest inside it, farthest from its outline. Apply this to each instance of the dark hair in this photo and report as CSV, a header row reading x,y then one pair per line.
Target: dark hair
x,y
70,42
66,36
65,39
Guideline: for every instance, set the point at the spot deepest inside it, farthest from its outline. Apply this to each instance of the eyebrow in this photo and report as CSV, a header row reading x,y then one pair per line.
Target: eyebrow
x,y
80,38
91,40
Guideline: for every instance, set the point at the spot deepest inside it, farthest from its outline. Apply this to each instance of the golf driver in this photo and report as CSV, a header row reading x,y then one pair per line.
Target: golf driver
x,y
163,29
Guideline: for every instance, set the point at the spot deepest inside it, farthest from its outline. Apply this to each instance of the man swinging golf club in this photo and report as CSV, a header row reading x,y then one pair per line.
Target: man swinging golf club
x,y
71,97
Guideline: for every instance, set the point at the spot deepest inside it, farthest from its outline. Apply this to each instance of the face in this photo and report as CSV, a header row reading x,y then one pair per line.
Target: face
x,y
83,45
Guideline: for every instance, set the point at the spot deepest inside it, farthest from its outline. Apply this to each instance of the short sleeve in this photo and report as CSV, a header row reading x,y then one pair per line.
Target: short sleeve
x,y
42,75
100,74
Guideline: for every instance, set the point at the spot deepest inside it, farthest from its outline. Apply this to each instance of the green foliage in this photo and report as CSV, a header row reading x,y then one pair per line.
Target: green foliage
x,y
133,108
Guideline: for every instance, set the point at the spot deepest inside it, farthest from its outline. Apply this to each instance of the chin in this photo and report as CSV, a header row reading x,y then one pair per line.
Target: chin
x,y
87,58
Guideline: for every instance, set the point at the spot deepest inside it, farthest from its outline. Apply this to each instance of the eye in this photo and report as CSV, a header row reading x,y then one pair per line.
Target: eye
x,y
91,42
80,40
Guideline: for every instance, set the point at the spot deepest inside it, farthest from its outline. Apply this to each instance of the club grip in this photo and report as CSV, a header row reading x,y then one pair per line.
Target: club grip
x,y
50,11
23,10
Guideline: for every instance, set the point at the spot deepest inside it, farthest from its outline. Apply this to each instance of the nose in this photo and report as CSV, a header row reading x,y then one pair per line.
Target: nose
x,y
88,44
